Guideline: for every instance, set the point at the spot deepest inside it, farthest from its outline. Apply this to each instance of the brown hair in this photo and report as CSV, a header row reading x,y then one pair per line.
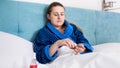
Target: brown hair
x,y
77,27
53,4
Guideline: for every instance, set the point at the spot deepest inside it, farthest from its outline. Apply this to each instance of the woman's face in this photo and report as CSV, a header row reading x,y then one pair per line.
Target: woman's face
x,y
57,16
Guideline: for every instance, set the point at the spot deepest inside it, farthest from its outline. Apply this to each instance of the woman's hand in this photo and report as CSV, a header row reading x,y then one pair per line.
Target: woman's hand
x,y
66,42
79,48
63,42
70,43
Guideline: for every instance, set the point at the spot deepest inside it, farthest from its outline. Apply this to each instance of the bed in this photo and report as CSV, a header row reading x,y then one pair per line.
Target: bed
x,y
104,56
19,53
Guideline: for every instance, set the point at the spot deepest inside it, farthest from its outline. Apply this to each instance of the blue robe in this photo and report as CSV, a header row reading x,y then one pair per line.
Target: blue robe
x,y
49,34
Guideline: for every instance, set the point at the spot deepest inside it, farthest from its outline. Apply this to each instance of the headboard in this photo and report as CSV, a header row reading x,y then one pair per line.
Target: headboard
x,y
24,19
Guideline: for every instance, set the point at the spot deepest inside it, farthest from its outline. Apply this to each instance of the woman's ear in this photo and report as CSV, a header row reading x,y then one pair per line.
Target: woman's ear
x,y
48,16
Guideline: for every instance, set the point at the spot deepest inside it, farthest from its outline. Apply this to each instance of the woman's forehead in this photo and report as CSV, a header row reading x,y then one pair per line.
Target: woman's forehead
x,y
57,9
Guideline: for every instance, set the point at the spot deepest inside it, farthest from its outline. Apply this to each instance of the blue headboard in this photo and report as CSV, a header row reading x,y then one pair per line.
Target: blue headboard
x,y
25,19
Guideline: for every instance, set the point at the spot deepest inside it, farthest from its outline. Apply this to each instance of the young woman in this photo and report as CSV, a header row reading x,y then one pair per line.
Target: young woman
x,y
56,33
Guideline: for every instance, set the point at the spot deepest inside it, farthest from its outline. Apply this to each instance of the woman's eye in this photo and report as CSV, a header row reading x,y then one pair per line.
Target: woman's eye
x,y
55,14
62,14
58,14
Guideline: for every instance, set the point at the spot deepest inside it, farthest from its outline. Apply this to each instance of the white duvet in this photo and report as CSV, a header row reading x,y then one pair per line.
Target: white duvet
x,y
104,56
16,52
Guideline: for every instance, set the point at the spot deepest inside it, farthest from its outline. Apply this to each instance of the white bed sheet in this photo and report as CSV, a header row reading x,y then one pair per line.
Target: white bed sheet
x,y
104,56
17,53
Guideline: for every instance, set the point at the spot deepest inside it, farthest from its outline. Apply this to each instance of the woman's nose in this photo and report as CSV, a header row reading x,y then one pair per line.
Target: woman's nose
x,y
59,16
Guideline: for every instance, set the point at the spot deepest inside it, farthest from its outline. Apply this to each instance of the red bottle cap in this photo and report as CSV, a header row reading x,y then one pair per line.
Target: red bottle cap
x,y
33,66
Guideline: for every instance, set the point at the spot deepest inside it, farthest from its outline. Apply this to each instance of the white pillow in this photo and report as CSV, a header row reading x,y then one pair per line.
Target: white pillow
x,y
15,52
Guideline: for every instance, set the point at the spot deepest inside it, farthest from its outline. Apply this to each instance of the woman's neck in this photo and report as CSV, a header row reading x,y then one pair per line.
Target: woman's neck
x,y
61,29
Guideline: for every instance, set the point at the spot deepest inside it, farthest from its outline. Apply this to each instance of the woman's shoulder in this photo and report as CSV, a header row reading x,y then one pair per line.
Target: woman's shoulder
x,y
42,30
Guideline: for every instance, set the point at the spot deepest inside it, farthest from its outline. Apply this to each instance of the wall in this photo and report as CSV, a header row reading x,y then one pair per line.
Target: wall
x,y
116,6
86,4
